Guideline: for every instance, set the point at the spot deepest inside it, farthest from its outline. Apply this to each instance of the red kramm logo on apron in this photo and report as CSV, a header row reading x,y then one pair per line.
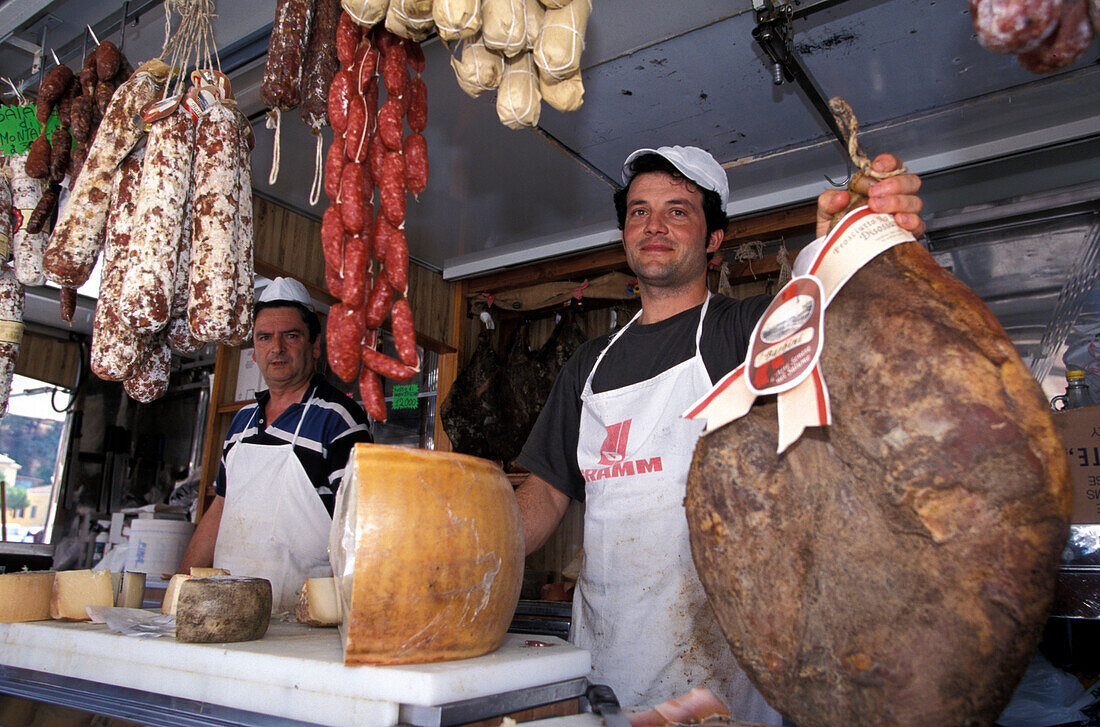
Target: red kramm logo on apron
x,y
613,461
613,449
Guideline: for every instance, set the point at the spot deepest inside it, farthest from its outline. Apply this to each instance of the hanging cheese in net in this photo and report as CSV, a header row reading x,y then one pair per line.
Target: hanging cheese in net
x,y
410,19
561,41
457,19
504,26
565,95
535,13
365,12
518,98
477,68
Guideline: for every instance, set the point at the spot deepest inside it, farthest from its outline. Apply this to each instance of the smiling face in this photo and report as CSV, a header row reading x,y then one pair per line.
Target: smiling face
x,y
282,348
665,232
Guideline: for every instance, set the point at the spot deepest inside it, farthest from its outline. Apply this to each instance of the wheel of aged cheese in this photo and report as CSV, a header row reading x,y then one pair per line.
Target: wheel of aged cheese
x,y
894,568
221,609
427,550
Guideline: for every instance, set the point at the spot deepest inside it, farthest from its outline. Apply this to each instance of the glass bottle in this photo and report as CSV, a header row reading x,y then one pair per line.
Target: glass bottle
x,y
1077,392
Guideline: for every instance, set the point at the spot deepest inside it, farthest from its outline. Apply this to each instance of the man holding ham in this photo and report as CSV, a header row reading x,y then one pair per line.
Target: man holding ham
x,y
611,434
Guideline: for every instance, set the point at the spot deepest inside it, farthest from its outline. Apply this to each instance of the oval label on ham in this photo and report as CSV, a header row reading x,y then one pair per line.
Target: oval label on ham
x,y
787,340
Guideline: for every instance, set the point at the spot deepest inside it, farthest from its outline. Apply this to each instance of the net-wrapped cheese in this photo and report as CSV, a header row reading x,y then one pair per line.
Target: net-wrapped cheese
x,y
535,13
504,26
564,95
365,12
561,41
410,19
477,68
25,596
457,19
518,99
427,552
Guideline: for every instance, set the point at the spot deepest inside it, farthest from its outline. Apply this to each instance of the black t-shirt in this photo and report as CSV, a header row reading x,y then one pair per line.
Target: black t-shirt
x,y
640,354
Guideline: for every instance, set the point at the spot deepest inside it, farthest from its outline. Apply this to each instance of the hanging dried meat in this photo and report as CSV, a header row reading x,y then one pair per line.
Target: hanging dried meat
x,y
895,567
476,413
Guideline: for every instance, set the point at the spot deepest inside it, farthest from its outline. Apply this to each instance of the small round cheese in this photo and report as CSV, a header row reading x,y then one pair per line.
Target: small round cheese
x,y
222,609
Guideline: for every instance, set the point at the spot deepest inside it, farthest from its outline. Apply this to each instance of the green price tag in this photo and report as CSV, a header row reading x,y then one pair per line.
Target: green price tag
x,y
19,127
405,396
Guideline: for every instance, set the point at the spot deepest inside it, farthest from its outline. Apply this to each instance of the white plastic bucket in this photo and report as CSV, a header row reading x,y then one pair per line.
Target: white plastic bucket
x,y
157,546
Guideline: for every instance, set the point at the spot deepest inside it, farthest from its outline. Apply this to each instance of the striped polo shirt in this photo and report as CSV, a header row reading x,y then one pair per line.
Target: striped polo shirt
x,y
333,423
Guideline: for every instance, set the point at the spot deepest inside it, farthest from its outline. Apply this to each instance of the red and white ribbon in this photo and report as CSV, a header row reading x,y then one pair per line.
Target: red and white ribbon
x,y
785,349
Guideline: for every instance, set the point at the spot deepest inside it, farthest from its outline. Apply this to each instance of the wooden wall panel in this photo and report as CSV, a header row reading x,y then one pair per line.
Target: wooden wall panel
x,y
288,241
48,359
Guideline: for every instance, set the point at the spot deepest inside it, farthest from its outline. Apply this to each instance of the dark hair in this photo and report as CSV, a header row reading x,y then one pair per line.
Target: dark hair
x,y
713,212
313,323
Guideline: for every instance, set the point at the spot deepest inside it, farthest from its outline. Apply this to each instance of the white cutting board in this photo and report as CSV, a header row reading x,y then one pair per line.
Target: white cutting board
x,y
295,671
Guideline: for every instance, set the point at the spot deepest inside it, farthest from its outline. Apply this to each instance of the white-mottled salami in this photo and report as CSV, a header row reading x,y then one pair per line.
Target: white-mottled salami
x,y
151,380
5,218
213,281
117,350
165,185
27,247
78,235
286,48
11,331
242,312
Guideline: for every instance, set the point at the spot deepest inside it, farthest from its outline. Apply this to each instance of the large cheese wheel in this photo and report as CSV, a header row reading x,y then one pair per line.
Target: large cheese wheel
x,y
221,609
75,590
25,596
427,550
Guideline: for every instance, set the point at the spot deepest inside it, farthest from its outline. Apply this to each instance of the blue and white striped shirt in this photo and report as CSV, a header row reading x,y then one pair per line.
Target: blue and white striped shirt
x,y
333,424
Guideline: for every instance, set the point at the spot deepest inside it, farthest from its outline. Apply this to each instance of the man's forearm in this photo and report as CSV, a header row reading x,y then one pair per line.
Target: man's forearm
x,y
200,551
541,506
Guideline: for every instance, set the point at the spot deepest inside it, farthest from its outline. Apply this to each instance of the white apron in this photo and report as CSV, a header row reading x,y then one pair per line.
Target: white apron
x,y
273,524
639,606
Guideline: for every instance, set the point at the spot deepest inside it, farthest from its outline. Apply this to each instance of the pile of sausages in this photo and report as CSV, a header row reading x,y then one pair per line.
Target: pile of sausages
x,y
370,150
174,221
1044,35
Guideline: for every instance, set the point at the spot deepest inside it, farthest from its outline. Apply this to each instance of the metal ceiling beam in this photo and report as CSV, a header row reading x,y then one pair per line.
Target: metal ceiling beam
x,y
15,13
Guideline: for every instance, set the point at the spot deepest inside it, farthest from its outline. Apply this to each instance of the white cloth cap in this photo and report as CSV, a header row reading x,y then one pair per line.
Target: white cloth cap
x,y
694,163
287,289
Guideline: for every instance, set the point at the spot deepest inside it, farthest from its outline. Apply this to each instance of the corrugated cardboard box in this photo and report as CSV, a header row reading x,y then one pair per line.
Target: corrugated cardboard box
x,y
1080,430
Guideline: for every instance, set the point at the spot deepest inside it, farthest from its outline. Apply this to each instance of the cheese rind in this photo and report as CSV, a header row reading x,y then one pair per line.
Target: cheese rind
x,y
74,590
172,593
317,604
25,596
222,609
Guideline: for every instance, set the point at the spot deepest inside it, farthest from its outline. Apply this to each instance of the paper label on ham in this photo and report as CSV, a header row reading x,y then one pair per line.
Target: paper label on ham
x,y
786,343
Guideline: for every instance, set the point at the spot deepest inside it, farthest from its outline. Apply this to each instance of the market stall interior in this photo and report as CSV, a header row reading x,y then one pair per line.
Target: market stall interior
x,y
513,253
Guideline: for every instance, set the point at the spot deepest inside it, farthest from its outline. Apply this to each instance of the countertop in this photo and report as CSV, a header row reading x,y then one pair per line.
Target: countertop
x,y
295,671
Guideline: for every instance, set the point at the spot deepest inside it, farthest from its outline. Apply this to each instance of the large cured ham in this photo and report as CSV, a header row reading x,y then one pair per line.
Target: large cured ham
x,y
894,568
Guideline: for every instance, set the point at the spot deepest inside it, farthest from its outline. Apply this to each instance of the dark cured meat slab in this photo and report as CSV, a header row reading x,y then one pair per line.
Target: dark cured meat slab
x,y
896,568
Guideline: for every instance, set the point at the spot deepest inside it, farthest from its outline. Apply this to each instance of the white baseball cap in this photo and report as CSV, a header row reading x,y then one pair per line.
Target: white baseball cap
x,y
694,163
287,289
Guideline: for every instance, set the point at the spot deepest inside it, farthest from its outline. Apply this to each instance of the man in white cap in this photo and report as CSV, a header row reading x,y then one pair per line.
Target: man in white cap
x,y
611,434
283,457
